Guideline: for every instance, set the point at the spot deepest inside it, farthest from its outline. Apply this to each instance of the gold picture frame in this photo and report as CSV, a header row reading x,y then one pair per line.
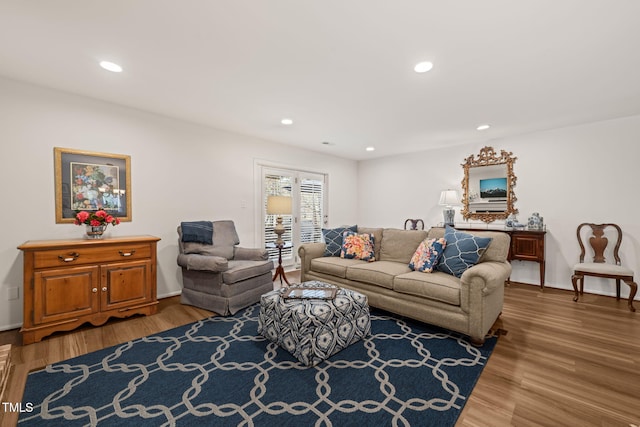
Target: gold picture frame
x,y
498,165
89,181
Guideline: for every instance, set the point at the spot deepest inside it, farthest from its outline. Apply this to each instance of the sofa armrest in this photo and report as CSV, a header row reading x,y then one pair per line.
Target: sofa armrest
x,y
491,273
250,254
307,252
215,264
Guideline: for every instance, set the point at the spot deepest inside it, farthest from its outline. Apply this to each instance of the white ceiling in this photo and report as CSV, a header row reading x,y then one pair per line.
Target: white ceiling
x,y
341,69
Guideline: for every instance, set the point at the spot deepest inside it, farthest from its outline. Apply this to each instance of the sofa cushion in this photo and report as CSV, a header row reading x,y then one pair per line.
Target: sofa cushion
x,y
400,245
357,246
333,238
243,270
379,273
427,255
461,252
334,266
224,233
436,286
377,238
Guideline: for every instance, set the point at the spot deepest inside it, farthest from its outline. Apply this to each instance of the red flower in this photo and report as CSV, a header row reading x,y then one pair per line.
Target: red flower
x,y
82,216
95,219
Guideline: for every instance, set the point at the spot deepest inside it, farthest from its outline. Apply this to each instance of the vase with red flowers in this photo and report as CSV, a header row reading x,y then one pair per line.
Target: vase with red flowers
x,y
95,222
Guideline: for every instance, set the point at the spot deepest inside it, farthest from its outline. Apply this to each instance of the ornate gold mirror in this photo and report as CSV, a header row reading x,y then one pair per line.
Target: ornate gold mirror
x,y
487,186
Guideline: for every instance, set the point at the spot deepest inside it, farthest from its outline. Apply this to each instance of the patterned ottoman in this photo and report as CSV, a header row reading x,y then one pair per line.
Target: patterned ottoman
x,y
314,329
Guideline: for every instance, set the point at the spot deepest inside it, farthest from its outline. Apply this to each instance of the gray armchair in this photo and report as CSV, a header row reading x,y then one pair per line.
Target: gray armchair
x,y
221,276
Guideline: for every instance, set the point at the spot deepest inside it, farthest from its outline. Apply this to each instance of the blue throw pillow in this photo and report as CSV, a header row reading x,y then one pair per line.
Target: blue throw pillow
x,y
461,252
197,232
333,239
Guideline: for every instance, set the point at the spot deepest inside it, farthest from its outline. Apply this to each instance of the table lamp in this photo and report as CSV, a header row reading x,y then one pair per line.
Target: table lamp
x,y
279,205
449,199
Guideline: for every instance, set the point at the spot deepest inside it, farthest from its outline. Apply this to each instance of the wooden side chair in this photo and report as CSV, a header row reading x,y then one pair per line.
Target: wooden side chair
x,y
599,267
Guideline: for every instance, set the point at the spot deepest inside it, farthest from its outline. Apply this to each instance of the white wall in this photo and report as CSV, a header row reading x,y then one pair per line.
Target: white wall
x,y
572,175
182,171
179,171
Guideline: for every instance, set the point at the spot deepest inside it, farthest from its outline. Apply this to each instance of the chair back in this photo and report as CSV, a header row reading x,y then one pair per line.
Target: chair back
x,y
598,241
224,239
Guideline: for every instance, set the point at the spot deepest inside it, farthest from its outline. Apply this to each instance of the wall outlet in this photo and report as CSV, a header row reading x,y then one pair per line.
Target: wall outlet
x,y
13,293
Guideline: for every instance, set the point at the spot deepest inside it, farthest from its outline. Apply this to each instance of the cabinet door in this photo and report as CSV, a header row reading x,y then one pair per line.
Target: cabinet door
x,y
526,247
125,284
65,293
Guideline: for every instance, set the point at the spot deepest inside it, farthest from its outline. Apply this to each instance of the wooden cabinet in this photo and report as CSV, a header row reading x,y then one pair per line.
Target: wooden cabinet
x,y
71,282
528,245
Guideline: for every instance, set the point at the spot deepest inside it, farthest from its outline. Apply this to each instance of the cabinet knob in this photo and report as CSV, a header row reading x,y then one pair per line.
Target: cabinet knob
x,y
104,289
94,290
125,254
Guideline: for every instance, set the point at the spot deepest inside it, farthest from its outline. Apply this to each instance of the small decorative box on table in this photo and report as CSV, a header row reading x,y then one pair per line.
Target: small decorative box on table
x,y
313,329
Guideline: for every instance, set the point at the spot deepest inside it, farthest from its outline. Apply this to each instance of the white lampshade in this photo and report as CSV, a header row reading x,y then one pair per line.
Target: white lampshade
x,y
279,205
449,198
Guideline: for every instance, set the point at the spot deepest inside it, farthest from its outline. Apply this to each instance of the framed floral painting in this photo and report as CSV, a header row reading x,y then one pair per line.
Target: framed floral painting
x,y
88,181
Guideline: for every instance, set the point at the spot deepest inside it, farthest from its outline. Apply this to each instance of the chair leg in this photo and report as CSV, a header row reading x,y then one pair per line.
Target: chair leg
x,y
618,289
574,281
632,293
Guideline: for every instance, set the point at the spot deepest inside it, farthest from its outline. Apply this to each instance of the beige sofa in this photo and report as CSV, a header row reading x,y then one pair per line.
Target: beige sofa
x,y
469,304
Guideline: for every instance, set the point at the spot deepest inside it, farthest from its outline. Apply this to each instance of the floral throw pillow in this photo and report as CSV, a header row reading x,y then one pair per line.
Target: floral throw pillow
x,y
427,255
357,246
333,238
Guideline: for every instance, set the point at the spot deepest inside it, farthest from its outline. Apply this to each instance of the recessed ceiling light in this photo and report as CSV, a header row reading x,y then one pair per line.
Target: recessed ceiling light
x,y
286,122
423,67
370,148
483,127
111,66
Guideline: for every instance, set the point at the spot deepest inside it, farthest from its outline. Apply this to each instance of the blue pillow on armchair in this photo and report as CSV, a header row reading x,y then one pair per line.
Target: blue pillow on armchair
x,y
333,238
462,251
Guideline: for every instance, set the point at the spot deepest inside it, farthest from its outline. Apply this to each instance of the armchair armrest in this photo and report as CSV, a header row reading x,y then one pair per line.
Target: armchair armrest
x,y
215,264
250,254
307,252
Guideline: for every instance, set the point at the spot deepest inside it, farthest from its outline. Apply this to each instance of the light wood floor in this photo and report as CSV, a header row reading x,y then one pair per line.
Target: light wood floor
x,y
560,363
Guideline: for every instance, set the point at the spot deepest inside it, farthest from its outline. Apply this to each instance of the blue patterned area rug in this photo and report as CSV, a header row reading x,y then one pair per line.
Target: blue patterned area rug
x,y
220,372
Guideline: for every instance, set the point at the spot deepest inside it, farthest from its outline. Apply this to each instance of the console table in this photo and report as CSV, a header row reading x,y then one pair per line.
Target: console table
x,y
70,282
526,245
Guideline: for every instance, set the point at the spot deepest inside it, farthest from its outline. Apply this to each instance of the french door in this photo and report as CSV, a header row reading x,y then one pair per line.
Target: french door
x,y
308,209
